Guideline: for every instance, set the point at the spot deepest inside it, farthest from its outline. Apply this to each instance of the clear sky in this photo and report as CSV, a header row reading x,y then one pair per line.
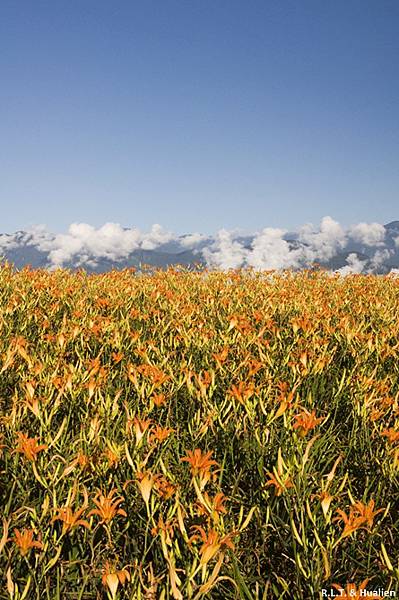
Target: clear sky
x,y
198,114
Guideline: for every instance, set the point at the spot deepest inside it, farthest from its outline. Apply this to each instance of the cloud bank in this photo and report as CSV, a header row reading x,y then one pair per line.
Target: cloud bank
x,y
361,248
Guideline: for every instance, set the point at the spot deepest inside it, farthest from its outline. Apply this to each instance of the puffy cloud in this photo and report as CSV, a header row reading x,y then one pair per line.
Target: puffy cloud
x,y
84,242
379,259
8,242
225,253
192,239
369,234
155,238
109,241
323,243
269,249
354,265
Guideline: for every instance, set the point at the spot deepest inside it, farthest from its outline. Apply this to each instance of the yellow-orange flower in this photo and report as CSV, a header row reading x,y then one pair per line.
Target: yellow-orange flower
x,y
29,447
199,462
112,577
24,541
391,434
280,483
159,434
214,506
352,592
72,519
361,516
107,507
306,421
212,543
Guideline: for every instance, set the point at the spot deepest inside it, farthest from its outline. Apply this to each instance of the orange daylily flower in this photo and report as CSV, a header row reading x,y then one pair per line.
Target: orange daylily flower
x,y
159,434
24,541
158,399
351,522
366,512
352,592
140,427
216,506
113,457
164,487
361,516
117,357
306,421
72,519
145,482
325,500
220,357
391,434
107,507
112,578
281,484
167,530
242,392
200,463
81,460
285,398
29,447
212,543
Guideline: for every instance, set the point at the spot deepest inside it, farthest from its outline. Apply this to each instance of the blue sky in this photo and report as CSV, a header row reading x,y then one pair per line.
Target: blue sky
x,y
198,115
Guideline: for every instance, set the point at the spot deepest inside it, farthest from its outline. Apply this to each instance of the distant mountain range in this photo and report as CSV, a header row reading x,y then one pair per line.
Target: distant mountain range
x,y
364,248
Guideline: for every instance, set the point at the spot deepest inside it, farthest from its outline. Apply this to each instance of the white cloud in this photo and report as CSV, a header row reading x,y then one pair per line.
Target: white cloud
x,y
191,240
369,234
156,237
354,265
379,259
225,253
323,243
268,249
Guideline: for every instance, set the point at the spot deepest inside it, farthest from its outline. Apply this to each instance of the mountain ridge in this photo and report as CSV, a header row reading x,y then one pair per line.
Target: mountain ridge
x,y
364,248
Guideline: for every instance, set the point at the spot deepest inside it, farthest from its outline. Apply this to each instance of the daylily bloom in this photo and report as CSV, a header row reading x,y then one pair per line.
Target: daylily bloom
x,y
216,506
366,512
352,592
24,541
200,463
158,399
29,447
167,530
117,357
306,421
242,392
359,516
112,578
140,427
391,434
281,484
107,508
211,542
220,357
325,501
164,487
72,519
160,434
145,482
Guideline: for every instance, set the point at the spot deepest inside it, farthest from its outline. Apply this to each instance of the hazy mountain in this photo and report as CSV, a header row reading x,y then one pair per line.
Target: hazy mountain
x,y
363,248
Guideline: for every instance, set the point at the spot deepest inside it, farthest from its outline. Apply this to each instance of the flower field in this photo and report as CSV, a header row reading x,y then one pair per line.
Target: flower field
x,y
180,435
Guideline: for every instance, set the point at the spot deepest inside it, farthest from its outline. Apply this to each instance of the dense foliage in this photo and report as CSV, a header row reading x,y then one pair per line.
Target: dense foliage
x,y
197,435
